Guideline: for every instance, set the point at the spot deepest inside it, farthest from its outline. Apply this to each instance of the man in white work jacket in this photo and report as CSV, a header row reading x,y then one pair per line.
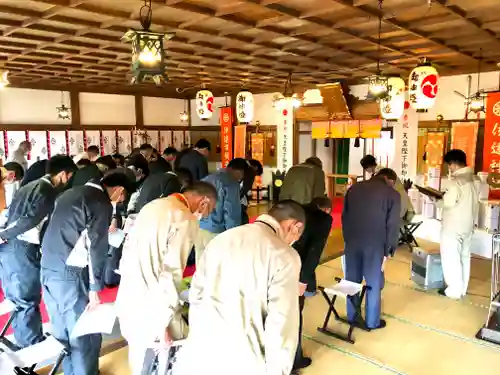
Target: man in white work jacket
x,y
460,206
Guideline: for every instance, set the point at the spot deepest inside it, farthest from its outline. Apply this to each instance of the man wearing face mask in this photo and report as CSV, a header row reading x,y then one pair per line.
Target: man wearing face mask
x,y
460,204
370,226
154,259
74,253
20,249
243,299
140,167
227,213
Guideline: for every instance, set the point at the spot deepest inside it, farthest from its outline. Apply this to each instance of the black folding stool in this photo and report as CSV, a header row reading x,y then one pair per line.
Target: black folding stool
x,y
8,308
330,295
406,236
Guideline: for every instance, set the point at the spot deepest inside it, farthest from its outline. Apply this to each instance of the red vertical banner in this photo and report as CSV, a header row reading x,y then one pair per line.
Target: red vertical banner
x,y
6,144
226,125
49,144
85,141
240,141
66,137
27,134
117,140
491,149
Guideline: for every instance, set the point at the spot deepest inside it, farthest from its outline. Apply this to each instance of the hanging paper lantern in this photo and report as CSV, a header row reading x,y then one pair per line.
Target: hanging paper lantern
x,y
244,107
204,104
393,105
423,87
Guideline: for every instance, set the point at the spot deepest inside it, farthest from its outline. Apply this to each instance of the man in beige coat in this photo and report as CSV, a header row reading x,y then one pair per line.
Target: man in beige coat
x,y
244,313
154,259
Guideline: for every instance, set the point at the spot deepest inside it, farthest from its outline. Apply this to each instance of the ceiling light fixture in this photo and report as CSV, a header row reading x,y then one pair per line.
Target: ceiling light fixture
x,y
378,84
148,53
63,112
288,94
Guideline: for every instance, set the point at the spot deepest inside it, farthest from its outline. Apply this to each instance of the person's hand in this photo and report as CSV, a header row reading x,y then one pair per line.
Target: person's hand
x,y
302,289
114,226
2,241
168,337
94,300
383,264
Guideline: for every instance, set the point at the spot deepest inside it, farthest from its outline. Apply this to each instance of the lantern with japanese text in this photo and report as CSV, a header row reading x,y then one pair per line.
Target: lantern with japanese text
x,y
204,104
244,107
393,105
423,87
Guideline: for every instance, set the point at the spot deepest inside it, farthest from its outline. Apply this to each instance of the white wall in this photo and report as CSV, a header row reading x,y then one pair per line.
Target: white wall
x,y
23,106
163,111
265,113
106,109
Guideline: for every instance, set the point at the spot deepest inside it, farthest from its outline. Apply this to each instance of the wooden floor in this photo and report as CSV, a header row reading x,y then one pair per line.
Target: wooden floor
x,y
426,334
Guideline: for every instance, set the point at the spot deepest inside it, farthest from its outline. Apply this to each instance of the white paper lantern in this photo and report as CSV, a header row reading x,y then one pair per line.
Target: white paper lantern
x,y
244,107
423,87
204,104
393,105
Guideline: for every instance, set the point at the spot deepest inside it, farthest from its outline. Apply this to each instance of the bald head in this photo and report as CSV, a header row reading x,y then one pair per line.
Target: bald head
x,y
288,210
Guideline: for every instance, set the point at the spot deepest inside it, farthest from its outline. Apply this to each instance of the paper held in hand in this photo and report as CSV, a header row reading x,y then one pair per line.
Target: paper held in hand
x,y
430,192
100,319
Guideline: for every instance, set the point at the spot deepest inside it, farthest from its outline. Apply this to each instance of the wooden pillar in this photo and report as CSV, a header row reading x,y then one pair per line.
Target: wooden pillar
x,y
74,97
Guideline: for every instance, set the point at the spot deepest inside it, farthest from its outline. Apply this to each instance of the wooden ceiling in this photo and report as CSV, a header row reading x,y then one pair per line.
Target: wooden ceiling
x,y
230,44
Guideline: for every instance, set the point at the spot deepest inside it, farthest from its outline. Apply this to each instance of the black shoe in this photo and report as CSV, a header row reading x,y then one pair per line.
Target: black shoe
x,y
382,324
442,292
303,363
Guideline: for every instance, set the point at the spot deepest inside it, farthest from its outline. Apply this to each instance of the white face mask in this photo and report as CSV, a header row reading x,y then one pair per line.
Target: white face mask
x,y
198,215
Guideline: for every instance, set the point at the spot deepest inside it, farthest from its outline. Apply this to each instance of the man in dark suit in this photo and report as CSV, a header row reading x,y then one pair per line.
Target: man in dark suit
x,y
310,247
370,226
195,159
255,170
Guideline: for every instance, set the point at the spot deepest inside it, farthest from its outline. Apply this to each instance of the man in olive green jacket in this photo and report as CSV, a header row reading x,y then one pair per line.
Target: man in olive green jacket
x,y
304,182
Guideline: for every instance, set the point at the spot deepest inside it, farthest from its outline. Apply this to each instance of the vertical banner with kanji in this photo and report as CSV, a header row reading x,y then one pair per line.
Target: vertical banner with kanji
x,y
226,134
258,152
491,149
240,141
464,137
404,160
285,136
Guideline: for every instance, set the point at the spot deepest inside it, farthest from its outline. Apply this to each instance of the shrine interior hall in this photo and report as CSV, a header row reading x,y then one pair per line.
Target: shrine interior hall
x,y
280,81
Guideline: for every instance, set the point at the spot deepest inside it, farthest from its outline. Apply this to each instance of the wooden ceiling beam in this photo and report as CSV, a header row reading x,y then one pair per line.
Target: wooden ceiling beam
x,y
462,14
404,27
203,12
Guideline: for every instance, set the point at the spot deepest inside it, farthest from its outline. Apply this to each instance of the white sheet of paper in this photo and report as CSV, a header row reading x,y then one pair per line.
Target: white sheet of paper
x,y
79,256
344,288
116,238
6,307
98,320
46,350
184,295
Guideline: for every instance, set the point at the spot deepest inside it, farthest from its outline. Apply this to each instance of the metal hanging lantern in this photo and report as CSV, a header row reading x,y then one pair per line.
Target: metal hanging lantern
x,y
148,53
4,80
184,116
393,105
423,87
378,87
279,100
63,112
205,104
378,84
476,103
244,107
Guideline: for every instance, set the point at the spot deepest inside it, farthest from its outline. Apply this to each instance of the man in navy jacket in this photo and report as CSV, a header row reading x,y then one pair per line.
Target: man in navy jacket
x,y
74,252
20,249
